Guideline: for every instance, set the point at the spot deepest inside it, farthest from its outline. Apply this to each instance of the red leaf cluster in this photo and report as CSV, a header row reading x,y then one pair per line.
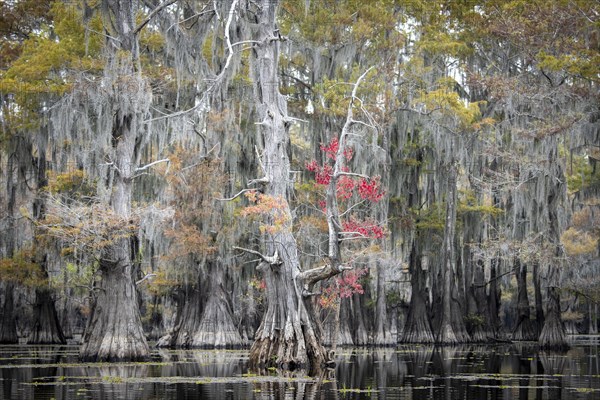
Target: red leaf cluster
x,y
370,189
365,228
343,286
322,173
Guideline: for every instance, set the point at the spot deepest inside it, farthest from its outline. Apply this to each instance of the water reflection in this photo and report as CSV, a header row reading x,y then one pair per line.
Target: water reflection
x,y
518,371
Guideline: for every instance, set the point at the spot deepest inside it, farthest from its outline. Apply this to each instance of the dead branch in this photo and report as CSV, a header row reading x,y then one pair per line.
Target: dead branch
x,y
318,274
272,260
237,195
145,278
145,167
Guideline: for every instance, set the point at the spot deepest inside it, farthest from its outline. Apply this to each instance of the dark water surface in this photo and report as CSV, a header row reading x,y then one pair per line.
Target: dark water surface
x,y
515,371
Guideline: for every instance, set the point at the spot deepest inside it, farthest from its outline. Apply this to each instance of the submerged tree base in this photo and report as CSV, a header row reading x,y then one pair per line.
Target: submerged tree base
x,y
114,331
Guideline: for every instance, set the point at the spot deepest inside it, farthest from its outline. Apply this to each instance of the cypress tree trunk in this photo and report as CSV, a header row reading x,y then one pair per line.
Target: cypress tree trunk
x,y
524,328
451,329
8,325
216,328
189,313
361,337
537,289
382,335
114,330
553,335
345,331
418,326
493,303
46,326
289,335
593,319
205,317
481,329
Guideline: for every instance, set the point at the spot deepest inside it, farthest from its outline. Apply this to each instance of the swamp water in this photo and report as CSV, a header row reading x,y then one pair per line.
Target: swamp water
x,y
510,371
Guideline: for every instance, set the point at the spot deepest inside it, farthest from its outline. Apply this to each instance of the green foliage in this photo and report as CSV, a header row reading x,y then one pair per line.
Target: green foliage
x,y
75,275
448,103
72,185
468,203
47,59
581,174
431,218
21,268
474,320
331,23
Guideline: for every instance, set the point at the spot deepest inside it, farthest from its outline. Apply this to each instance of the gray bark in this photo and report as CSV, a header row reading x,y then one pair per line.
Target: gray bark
x,y
417,328
525,328
289,336
451,328
8,326
382,335
114,330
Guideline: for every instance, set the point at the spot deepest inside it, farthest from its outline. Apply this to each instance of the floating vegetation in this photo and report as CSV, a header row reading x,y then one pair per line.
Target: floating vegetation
x,y
224,374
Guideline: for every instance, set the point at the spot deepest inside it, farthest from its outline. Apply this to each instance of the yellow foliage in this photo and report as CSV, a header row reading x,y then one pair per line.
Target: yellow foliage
x,y
449,104
73,183
579,243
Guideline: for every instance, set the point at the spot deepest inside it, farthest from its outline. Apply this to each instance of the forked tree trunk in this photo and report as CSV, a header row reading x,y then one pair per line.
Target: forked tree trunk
x,y
524,328
289,335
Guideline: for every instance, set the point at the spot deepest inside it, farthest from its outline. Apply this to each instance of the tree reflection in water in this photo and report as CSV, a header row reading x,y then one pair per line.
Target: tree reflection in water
x,y
517,371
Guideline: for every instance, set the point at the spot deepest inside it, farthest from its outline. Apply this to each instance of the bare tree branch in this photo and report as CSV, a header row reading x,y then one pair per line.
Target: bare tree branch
x,y
145,167
158,9
145,278
273,260
326,271
237,195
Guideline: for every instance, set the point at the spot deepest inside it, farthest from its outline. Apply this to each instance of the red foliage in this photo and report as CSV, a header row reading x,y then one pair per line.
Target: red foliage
x,y
343,286
332,148
370,189
345,187
365,228
322,173
322,205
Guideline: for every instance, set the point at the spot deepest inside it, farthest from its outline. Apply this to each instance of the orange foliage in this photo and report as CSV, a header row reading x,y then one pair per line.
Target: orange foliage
x,y
272,209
